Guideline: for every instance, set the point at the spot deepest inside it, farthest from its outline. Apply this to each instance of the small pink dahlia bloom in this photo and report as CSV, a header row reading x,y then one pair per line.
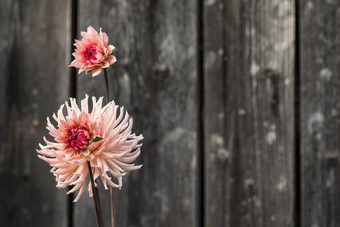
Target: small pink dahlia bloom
x,y
102,136
93,52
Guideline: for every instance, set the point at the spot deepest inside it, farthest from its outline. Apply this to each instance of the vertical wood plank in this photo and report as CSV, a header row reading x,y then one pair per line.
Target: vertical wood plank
x,y
155,79
320,107
249,112
34,46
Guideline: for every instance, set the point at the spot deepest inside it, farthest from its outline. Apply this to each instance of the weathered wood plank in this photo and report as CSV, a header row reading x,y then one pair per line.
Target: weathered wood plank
x,y
320,108
34,46
155,80
249,112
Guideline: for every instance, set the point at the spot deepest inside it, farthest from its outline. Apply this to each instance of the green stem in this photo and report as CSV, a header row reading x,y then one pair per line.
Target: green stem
x,y
106,86
111,190
95,198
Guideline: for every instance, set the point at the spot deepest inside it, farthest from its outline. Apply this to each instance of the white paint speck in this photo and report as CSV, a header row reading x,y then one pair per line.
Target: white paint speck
x,y
186,202
315,122
273,64
249,181
241,112
271,137
218,142
319,136
257,201
223,154
309,5
220,51
250,31
287,81
191,51
330,181
173,135
282,184
254,68
209,2
326,74
285,44
126,79
35,122
211,59
284,8
217,139
35,91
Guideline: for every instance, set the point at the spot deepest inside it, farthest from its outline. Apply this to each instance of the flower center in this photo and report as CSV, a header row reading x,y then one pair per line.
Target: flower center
x,y
90,53
78,138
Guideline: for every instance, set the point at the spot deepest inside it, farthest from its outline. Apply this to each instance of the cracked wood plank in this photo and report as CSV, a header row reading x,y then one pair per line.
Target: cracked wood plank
x,y
34,46
320,108
249,112
155,79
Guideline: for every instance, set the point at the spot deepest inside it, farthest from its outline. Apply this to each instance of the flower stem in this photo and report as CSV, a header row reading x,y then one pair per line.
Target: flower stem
x,y
106,86
95,198
112,210
111,190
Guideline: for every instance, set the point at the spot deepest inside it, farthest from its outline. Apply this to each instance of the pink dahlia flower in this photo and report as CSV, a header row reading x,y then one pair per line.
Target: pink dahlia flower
x,y
102,136
93,52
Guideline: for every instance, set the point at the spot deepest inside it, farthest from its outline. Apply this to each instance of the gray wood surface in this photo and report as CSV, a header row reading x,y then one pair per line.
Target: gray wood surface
x,y
270,110
320,107
155,79
34,47
249,112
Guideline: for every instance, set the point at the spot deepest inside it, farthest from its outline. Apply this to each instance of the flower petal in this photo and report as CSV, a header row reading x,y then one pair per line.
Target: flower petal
x,y
111,157
96,71
111,59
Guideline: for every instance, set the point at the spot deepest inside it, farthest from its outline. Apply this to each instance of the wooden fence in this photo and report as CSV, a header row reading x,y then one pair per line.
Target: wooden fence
x,y
238,101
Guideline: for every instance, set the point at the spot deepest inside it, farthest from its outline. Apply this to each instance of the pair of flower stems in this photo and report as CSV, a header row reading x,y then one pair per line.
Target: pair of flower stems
x,y
95,189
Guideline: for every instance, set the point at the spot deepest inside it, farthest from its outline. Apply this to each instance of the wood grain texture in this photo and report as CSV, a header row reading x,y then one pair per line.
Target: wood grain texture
x,y
34,46
249,112
155,79
320,108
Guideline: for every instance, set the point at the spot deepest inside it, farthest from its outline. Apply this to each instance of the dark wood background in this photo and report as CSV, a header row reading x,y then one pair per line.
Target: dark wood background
x,y
238,101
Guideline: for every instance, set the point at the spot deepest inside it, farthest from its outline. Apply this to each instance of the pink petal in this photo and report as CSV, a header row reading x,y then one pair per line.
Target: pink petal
x,y
96,71
105,64
110,48
103,37
111,59
73,63
91,31
116,152
84,35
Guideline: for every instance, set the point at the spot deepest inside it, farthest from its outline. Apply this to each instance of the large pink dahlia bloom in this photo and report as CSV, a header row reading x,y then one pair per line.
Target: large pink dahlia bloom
x,y
93,52
102,136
